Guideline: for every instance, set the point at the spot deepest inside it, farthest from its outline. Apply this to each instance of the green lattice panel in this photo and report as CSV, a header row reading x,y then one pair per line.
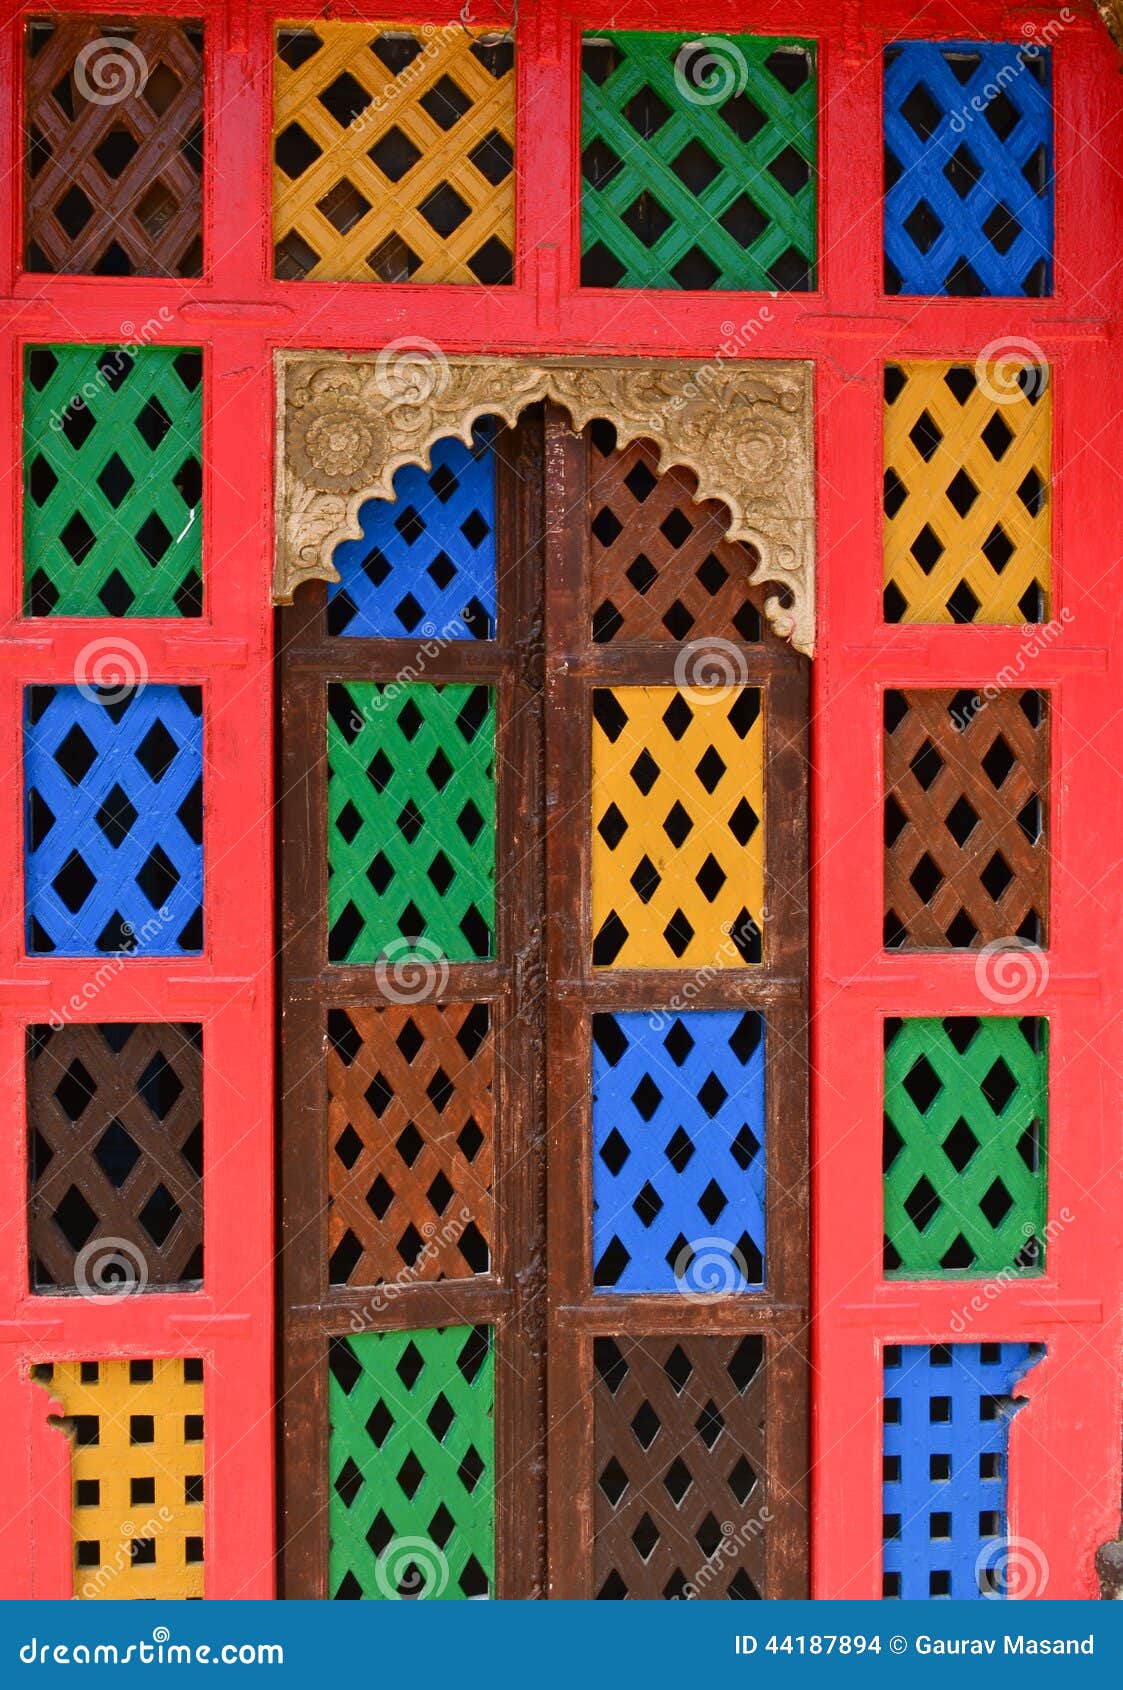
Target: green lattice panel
x,y
411,822
698,161
411,1508
965,1146
112,481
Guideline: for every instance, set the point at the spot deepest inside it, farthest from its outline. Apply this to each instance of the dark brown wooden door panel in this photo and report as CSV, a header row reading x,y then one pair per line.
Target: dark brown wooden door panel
x,y
426,1119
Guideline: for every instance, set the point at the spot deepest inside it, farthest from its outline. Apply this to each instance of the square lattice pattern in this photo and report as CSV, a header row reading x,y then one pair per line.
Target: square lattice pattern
x,y
114,147
394,154
425,565
411,822
411,1511
410,1130
678,1151
113,481
966,830
966,1103
968,168
967,482
678,843
114,820
679,1451
115,1127
947,1427
137,1470
698,161
662,568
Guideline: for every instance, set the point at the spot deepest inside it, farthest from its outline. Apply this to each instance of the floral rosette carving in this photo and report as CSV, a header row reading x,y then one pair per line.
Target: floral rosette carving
x,y
333,438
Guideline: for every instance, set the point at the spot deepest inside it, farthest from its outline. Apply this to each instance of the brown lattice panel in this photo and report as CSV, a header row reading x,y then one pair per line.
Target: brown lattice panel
x,y
114,147
410,1137
662,568
680,1468
966,833
394,154
115,1123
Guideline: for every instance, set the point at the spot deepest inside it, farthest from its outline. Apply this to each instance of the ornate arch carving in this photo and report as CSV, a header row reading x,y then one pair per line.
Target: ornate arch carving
x,y
745,429
1111,11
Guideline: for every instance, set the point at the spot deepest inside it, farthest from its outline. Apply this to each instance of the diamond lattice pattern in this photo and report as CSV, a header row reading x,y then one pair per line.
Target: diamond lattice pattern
x,y
678,845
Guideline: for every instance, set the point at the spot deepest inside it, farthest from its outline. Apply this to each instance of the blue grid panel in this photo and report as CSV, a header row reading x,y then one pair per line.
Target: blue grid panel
x,y
969,169
425,565
113,784
947,1425
678,1151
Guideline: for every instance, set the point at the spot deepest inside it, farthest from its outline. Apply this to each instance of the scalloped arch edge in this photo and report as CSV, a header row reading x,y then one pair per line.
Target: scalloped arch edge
x,y
351,421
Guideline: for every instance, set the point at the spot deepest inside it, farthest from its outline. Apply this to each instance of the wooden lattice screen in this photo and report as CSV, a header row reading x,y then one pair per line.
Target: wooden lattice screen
x,y
924,210
412,1022
417,1095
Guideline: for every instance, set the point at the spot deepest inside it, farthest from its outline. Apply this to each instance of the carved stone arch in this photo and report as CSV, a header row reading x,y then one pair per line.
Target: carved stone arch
x,y
349,423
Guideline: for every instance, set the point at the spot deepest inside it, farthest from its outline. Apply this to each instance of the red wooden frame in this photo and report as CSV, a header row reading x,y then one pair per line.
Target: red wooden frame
x,y
229,989
1065,1487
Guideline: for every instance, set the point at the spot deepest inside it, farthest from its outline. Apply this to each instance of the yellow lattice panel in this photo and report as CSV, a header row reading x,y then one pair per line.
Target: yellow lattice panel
x,y
678,836
393,153
967,507
136,1431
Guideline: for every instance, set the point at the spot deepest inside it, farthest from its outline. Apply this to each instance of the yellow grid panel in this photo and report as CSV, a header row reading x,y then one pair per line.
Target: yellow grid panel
x,y
136,1431
393,154
678,836
967,508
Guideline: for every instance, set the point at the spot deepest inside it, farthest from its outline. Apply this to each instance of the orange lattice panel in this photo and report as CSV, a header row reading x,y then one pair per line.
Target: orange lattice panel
x,y
394,154
136,1431
967,509
678,847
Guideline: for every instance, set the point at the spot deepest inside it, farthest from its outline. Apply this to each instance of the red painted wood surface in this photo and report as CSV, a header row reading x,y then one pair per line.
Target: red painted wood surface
x,y
229,989
1065,1480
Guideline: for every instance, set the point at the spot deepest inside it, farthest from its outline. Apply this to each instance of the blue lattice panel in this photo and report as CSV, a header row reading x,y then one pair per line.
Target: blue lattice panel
x,y
947,1424
425,565
678,1151
968,169
114,855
